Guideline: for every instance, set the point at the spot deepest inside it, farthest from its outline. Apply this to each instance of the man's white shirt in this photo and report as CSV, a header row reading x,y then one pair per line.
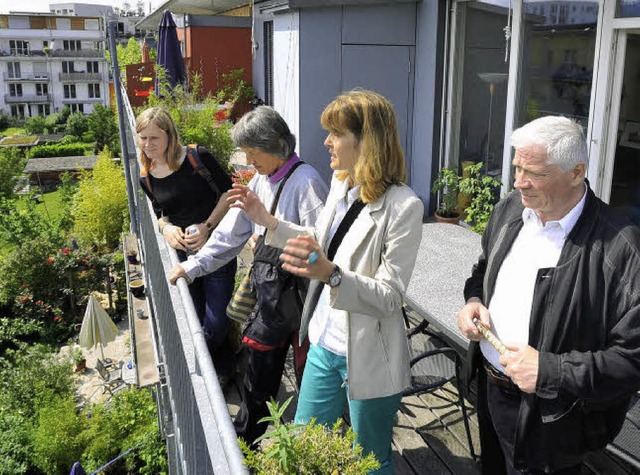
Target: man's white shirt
x,y
537,246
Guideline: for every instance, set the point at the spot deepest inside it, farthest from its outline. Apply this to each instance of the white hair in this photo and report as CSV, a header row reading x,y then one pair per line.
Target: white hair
x,y
562,137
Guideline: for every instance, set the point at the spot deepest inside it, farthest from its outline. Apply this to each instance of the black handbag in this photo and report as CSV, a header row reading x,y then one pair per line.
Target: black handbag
x,y
279,294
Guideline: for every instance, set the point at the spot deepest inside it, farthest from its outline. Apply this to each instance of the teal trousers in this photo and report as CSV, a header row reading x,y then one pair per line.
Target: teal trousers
x,y
323,396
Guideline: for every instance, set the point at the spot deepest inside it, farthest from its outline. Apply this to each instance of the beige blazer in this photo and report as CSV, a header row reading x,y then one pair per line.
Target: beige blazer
x,y
377,256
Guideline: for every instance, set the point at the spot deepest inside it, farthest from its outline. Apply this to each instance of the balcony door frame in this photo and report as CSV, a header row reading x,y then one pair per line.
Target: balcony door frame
x,y
603,126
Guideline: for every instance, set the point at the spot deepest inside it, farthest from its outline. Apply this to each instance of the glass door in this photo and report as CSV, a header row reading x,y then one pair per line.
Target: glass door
x,y
621,170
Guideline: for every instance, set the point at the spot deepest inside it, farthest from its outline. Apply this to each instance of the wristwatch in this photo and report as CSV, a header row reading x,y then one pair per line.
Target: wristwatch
x,y
335,278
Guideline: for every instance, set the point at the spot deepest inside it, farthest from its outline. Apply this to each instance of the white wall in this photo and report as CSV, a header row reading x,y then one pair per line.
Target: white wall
x,y
286,82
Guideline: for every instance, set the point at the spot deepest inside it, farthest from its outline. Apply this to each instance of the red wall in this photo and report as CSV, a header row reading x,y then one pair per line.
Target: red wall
x,y
214,51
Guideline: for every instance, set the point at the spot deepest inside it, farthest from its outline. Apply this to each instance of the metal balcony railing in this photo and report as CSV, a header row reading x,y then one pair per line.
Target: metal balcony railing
x,y
195,419
25,76
9,99
80,76
78,53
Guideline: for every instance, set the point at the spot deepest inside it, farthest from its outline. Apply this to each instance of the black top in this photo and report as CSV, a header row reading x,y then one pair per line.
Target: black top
x,y
184,197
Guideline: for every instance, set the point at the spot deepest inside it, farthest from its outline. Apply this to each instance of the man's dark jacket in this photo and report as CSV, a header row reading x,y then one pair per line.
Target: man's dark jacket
x,y
585,322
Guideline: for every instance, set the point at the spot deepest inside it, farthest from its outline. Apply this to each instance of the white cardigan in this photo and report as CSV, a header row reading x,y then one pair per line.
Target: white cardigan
x,y
377,256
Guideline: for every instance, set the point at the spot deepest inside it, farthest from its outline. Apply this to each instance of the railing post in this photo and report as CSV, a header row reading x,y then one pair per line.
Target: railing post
x,y
121,120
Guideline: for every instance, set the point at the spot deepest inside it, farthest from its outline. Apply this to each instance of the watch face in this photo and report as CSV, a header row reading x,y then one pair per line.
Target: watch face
x,y
335,278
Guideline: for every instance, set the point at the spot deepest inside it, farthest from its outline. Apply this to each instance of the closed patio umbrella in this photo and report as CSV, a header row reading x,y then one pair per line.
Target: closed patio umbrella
x,y
97,327
169,55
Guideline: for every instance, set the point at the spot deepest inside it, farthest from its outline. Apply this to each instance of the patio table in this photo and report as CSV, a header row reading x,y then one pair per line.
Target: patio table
x,y
445,257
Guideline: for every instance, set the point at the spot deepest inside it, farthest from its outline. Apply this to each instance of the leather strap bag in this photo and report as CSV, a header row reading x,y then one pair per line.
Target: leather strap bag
x,y
244,300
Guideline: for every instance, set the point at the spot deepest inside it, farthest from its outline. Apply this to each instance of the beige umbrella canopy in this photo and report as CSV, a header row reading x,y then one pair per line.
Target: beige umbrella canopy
x,y
97,327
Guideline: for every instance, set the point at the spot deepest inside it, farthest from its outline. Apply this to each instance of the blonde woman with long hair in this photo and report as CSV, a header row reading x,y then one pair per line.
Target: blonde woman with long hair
x,y
359,257
185,200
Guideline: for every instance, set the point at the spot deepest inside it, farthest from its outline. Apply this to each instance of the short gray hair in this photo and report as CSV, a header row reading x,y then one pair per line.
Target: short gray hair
x,y
562,137
265,129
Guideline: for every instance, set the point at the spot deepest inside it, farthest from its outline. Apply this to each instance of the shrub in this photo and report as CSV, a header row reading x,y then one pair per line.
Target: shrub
x,y
56,441
35,125
4,121
195,118
100,206
77,124
56,150
20,222
103,128
483,191
12,165
129,419
308,449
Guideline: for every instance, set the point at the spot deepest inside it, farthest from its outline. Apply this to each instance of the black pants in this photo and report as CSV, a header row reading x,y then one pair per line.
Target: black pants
x,y
497,418
261,383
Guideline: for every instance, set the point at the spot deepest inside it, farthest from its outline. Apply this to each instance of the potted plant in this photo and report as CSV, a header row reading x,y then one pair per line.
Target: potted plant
x,y
482,189
77,355
447,183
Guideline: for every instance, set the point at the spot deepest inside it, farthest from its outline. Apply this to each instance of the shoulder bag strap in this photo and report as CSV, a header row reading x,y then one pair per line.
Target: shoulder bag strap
x,y
201,169
284,180
347,221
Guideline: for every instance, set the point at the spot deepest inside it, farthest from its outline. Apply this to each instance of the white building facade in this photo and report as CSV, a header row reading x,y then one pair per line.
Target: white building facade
x,y
50,61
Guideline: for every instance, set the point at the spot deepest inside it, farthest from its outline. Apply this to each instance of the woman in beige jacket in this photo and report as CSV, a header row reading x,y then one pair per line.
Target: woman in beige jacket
x,y
360,256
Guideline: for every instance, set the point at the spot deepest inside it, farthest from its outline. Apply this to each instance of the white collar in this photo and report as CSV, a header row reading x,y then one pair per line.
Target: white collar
x,y
567,222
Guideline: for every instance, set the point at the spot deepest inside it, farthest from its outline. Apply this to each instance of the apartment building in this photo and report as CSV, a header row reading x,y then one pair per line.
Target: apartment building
x,y
48,61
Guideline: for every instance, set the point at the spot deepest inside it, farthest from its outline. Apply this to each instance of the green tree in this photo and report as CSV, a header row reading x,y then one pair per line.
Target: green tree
x,y
30,379
77,124
20,222
64,114
103,127
56,440
12,165
35,125
100,208
129,54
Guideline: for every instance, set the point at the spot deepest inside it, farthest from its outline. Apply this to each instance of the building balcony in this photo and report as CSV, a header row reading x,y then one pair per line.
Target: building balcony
x,y
26,77
43,98
81,100
22,53
81,53
80,76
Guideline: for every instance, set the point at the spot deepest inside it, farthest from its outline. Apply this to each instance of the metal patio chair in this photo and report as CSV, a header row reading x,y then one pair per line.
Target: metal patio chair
x,y
111,379
435,365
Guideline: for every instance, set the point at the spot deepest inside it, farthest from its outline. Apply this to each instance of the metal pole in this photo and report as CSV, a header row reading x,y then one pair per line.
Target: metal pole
x,y
133,223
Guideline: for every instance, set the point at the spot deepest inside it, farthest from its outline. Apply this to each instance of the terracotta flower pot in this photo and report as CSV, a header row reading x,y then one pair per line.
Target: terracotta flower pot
x,y
450,220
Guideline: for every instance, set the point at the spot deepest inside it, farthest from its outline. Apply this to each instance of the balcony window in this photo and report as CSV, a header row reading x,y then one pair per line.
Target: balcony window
x,y
17,111
92,67
77,108
44,109
480,84
68,67
94,91
14,70
15,90
42,89
69,91
557,62
71,45
628,8
18,47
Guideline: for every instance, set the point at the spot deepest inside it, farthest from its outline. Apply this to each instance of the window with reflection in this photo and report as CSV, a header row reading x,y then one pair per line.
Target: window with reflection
x,y
484,86
628,8
557,60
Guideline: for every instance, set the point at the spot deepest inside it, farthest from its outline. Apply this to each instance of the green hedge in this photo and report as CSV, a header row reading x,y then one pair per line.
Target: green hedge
x,y
57,150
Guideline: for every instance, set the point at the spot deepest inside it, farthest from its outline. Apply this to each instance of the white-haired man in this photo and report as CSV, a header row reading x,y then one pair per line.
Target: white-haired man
x,y
558,282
